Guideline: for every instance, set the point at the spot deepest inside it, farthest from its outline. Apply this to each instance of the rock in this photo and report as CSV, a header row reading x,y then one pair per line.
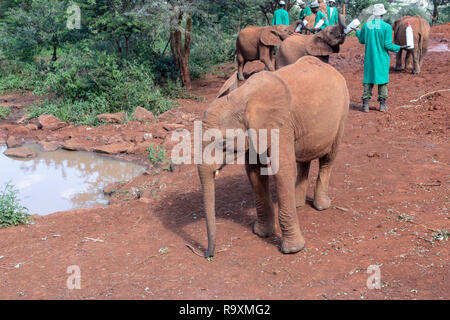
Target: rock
x,y
373,154
142,114
31,126
15,130
2,140
147,136
140,148
173,126
51,123
12,142
74,145
114,148
113,117
21,152
50,146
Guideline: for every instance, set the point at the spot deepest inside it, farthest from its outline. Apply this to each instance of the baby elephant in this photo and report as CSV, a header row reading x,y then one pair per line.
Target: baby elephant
x,y
320,45
414,58
309,121
257,43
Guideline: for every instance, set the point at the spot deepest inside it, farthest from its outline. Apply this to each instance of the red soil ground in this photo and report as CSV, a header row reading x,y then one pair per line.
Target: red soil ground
x,y
389,191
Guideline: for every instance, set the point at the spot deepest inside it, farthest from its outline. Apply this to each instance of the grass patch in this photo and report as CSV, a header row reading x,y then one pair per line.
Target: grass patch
x,y
11,212
156,154
4,112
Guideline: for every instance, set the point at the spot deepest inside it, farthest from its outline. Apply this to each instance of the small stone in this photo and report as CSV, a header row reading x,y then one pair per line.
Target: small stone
x,y
49,122
50,146
114,148
113,117
147,136
12,142
21,152
142,114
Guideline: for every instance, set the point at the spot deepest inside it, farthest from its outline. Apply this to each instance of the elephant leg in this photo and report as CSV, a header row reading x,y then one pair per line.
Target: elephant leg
x,y
398,62
265,55
241,62
293,240
302,183
416,59
408,60
265,224
321,199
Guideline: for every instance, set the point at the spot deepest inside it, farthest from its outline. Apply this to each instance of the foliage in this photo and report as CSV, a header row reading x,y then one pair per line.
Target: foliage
x,y
4,112
11,212
156,154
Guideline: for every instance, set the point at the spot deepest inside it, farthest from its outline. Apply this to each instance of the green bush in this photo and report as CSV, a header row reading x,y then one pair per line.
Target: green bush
x,y
11,212
4,112
85,83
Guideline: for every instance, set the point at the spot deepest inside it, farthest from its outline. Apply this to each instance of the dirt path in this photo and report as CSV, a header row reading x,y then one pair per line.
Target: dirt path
x,y
389,189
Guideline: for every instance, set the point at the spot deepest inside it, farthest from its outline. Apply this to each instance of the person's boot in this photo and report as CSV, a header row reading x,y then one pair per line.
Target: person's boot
x,y
383,106
365,107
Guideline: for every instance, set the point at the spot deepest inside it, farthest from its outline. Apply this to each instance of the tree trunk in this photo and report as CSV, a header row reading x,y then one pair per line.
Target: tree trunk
x,y
435,13
181,52
119,48
54,57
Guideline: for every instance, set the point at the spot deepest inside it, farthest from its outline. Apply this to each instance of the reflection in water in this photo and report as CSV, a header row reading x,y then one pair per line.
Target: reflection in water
x,y
63,180
443,47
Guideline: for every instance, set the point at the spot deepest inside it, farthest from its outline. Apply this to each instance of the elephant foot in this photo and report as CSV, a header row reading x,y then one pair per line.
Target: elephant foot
x,y
416,72
322,203
264,230
300,203
241,77
292,245
398,69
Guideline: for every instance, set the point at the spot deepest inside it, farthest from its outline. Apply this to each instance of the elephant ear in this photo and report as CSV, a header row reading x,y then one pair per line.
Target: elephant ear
x,y
316,45
228,86
267,106
269,37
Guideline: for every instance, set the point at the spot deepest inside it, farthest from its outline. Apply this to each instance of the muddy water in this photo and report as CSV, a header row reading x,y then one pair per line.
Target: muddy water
x,y
63,180
442,47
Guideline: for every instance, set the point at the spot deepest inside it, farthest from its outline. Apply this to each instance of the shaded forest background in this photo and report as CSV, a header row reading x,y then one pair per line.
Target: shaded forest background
x,y
100,56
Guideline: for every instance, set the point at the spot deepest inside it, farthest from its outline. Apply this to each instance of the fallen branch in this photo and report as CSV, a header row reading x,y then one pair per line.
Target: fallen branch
x,y
95,240
193,250
342,209
427,94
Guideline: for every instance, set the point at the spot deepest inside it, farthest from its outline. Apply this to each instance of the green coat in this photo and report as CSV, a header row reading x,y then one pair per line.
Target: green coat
x,y
377,36
319,16
332,18
305,12
280,16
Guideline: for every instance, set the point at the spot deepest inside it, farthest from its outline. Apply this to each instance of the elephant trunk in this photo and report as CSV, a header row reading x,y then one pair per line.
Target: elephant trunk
x,y
206,174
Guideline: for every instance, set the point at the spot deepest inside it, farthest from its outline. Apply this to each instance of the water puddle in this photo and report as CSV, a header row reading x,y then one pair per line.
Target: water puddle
x,y
443,47
63,180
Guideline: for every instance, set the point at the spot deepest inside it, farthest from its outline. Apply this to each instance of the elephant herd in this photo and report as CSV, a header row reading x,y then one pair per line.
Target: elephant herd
x,y
309,118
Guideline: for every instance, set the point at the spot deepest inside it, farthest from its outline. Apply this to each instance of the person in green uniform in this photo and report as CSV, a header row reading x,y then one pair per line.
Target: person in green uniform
x,y
319,16
281,16
332,13
376,35
306,11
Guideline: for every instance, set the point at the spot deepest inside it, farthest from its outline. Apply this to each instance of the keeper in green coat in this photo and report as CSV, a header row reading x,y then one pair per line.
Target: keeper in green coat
x,y
281,16
319,16
306,11
376,35
332,13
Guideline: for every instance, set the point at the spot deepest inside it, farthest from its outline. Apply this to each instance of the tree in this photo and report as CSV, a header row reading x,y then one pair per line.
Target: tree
x,y
438,5
42,23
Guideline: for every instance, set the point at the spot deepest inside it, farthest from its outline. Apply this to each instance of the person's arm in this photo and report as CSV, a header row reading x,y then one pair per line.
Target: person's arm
x,y
361,34
388,45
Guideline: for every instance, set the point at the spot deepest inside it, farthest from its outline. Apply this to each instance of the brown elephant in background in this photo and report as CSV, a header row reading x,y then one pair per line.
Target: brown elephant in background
x,y
310,120
257,43
414,58
320,45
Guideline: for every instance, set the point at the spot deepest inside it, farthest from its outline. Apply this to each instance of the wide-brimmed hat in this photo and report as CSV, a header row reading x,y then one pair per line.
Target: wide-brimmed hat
x,y
315,4
300,2
282,3
334,1
378,9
